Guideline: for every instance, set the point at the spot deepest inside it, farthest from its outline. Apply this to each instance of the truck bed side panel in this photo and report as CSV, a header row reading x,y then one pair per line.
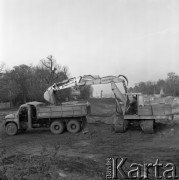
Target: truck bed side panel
x,y
61,111
44,112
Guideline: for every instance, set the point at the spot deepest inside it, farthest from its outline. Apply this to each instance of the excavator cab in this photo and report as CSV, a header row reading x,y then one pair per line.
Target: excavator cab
x,y
135,100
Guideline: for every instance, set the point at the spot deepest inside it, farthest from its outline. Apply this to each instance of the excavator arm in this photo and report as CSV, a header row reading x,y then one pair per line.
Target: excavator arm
x,y
88,80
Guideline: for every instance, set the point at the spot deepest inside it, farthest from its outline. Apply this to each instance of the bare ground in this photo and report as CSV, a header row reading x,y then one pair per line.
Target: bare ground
x,y
38,154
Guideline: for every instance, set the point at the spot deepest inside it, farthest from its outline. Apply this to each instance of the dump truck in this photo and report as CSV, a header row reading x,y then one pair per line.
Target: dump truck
x,y
70,116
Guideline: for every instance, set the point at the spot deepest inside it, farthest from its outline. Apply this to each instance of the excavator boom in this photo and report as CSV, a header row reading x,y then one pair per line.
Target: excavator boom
x,y
86,80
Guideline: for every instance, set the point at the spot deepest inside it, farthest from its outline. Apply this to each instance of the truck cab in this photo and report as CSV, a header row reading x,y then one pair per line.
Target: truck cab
x,y
23,119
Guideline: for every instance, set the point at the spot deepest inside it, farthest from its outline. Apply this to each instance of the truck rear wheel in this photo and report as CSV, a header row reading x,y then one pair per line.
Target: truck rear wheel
x,y
57,127
147,126
11,129
73,126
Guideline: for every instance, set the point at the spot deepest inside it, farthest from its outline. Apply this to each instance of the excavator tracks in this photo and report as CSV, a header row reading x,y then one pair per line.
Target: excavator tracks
x,y
147,126
121,125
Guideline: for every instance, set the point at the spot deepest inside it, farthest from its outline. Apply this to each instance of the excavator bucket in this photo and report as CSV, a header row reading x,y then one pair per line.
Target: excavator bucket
x,y
49,96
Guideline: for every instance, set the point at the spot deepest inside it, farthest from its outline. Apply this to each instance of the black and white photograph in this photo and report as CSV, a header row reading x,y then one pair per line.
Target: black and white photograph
x,y
89,89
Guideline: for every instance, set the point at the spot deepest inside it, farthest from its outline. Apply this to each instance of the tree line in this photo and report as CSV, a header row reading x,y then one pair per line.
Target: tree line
x,y
167,87
26,83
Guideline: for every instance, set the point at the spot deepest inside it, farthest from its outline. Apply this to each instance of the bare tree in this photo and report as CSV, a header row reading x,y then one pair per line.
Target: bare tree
x,y
2,67
65,70
172,81
50,65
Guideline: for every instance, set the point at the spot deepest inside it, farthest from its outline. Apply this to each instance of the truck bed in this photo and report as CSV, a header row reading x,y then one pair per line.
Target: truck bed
x,y
62,111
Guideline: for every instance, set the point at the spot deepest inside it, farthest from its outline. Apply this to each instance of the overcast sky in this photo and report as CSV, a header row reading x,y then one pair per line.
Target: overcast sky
x,y
136,38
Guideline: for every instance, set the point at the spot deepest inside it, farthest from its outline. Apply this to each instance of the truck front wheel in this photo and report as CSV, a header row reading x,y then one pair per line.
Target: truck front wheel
x,y
73,126
57,127
11,129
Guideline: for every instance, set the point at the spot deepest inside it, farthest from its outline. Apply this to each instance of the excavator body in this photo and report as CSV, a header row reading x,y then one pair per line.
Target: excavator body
x,y
137,113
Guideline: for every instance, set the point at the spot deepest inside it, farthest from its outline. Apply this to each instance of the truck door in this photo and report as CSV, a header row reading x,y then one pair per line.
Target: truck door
x,y
23,117
33,113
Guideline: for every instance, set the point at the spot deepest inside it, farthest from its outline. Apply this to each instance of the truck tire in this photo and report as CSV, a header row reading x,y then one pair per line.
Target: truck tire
x,y
121,126
73,126
57,127
11,129
147,126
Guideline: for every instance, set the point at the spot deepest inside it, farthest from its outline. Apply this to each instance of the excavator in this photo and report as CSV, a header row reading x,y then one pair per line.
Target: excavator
x,y
130,107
